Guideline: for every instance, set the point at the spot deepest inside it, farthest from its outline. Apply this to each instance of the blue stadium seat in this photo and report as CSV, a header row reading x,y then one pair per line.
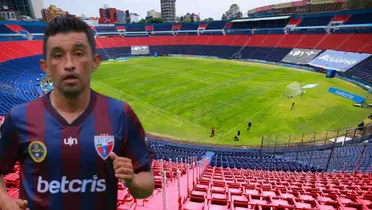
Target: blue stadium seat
x,y
135,27
103,29
363,18
361,72
189,26
214,25
344,158
5,30
163,27
19,79
316,21
34,28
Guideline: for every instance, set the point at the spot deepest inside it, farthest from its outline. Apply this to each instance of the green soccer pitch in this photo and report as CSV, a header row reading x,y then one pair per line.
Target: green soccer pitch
x,y
183,98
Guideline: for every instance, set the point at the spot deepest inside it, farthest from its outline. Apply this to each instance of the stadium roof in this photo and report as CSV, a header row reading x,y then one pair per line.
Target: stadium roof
x,y
258,19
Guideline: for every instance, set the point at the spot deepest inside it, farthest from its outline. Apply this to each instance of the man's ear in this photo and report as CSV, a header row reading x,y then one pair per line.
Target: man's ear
x,y
43,66
96,61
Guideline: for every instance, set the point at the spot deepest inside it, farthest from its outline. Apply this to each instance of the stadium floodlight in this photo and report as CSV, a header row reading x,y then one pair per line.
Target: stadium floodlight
x,y
293,89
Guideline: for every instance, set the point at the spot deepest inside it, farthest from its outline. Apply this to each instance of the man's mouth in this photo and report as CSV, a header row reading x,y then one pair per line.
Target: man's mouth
x,y
70,78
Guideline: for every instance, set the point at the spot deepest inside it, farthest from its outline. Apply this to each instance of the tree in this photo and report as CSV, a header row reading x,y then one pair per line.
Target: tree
x,y
208,19
187,19
142,21
224,17
152,20
233,12
359,4
155,20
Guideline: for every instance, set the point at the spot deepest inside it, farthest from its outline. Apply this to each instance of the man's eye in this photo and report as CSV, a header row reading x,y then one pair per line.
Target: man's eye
x,y
79,53
57,56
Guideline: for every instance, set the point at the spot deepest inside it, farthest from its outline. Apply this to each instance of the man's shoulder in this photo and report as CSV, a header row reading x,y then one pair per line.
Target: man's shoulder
x,y
19,111
115,105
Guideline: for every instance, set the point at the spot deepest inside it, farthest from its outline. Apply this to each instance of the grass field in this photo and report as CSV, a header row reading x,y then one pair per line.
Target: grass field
x,y
183,98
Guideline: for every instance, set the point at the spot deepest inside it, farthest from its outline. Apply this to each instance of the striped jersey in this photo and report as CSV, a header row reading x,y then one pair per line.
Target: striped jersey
x,y
67,166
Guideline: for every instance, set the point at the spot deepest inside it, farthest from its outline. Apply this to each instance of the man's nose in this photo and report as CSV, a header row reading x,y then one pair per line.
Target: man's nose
x,y
69,63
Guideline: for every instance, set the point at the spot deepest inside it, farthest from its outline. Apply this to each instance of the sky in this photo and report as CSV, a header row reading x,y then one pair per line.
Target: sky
x,y
206,8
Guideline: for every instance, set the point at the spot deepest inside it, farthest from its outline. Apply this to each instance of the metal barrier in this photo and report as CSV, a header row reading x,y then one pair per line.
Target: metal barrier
x,y
315,141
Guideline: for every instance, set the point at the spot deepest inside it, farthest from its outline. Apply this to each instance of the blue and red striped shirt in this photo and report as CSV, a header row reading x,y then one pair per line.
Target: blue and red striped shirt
x,y
66,166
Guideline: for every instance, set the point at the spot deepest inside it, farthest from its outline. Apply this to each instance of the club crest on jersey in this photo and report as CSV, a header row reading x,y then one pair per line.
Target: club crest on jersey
x,y
37,151
104,145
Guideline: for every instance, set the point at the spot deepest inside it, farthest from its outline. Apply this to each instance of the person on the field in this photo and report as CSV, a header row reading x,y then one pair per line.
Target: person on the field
x,y
236,138
212,132
238,133
73,143
361,126
293,104
249,125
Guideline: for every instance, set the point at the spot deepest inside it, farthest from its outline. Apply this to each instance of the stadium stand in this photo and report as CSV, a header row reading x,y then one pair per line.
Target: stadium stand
x,y
135,27
15,28
105,29
163,27
19,82
5,30
216,25
360,18
361,72
230,188
318,20
344,158
287,178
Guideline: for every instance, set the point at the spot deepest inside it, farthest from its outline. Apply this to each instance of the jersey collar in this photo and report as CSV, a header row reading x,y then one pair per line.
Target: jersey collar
x,y
79,120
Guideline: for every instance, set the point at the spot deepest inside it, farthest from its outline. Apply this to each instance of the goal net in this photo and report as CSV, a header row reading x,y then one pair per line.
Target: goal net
x,y
292,90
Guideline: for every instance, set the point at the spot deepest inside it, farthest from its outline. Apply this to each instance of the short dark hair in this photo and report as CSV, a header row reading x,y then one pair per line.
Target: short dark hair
x,y
65,25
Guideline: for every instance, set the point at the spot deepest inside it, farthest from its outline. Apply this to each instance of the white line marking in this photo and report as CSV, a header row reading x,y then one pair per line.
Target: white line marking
x,y
229,104
245,121
149,105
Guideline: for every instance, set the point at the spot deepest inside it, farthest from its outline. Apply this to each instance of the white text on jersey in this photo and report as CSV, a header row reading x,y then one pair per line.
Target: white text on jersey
x,y
74,186
70,141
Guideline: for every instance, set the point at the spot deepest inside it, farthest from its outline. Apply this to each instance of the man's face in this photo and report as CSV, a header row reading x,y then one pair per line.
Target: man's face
x,y
69,62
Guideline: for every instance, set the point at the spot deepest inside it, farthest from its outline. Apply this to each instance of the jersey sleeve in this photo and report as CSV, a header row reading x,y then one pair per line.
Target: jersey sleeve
x,y
135,145
9,145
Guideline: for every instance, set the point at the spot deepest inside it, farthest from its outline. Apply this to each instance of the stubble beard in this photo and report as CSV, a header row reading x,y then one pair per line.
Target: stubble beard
x,y
72,91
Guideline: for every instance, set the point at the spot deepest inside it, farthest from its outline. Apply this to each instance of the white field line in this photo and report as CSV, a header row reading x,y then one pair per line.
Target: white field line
x,y
150,105
245,121
229,104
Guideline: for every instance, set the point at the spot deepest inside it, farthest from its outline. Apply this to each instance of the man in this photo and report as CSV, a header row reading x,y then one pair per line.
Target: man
x,y
249,125
73,144
212,132
293,104
236,138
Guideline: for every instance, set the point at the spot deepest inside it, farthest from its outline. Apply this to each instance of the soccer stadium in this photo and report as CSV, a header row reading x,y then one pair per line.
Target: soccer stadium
x,y
270,111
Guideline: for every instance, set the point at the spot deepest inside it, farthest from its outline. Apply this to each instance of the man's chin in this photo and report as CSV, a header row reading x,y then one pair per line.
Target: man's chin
x,y
71,92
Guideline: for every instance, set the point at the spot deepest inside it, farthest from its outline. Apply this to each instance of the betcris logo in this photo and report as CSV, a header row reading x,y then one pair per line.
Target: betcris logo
x,y
71,186
347,95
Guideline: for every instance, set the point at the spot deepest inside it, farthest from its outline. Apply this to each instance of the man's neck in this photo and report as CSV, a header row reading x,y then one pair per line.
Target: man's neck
x,y
61,103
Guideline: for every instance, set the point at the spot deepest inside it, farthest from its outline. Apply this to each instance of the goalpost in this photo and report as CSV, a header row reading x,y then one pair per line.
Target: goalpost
x,y
292,90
